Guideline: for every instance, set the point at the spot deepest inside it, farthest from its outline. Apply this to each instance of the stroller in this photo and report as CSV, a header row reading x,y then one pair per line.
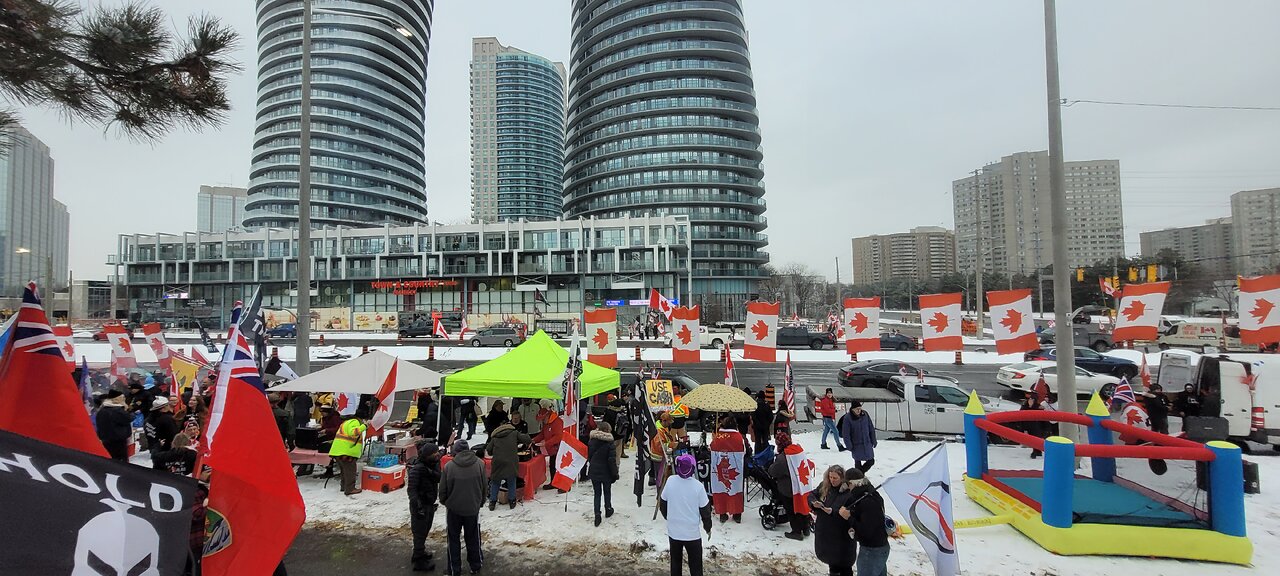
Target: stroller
x,y
773,511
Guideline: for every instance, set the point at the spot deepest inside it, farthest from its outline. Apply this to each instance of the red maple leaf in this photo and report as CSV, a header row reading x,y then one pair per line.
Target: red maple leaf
x,y
1012,320
803,470
1133,417
1134,311
566,460
1261,308
125,346
342,402
858,322
684,335
760,329
939,322
601,338
68,350
665,305
726,472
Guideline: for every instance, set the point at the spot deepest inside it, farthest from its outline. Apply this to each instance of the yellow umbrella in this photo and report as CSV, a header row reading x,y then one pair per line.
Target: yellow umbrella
x,y
719,398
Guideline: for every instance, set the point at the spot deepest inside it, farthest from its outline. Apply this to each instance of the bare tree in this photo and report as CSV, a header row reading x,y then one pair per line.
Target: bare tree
x,y
803,284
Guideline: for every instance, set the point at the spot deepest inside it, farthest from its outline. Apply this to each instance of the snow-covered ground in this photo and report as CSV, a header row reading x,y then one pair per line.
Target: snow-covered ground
x,y
991,551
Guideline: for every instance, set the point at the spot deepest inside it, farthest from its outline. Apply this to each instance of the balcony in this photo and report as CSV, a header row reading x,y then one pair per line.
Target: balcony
x,y
533,268
459,269
210,276
360,273
400,272
143,278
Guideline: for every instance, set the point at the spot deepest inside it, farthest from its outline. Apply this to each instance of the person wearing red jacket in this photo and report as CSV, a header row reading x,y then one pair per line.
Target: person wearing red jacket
x,y
826,406
550,436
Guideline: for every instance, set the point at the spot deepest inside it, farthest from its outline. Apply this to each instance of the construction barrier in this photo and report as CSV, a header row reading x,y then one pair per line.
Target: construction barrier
x,y
322,339
431,351
364,350
275,351
399,339
959,360
638,358
853,356
724,353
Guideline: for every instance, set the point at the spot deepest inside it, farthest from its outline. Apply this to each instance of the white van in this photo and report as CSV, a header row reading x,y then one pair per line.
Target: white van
x,y
1199,335
1230,378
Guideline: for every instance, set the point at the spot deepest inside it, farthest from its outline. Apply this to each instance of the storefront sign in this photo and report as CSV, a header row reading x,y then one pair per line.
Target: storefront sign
x,y
407,287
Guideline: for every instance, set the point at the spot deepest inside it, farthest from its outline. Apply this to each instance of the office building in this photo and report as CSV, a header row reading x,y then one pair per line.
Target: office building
x,y
924,253
366,277
1255,215
35,228
368,106
662,120
1208,246
219,208
517,134
1017,235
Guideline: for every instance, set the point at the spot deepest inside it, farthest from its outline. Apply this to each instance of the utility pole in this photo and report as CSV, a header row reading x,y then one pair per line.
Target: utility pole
x,y
838,299
1058,211
302,344
977,283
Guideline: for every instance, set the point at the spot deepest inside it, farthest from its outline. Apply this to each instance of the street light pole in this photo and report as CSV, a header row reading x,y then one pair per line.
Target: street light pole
x,y
302,360
1058,210
977,281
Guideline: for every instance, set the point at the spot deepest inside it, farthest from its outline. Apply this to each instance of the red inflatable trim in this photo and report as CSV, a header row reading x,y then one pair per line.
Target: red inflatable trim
x,y
1166,447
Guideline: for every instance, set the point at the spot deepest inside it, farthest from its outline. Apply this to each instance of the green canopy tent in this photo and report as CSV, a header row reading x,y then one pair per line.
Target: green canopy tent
x,y
525,371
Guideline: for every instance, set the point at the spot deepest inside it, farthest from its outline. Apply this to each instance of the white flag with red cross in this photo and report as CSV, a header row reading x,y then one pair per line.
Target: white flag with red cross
x,y
861,324
940,322
1138,316
685,341
386,399
602,336
1012,322
66,345
660,303
570,460
1259,319
760,333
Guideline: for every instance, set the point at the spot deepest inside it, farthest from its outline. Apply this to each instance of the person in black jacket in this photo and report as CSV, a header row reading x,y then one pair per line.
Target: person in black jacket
x,y
602,465
115,425
495,418
1188,403
179,460
139,399
761,419
422,485
865,513
831,529
1157,409
284,421
160,428
428,415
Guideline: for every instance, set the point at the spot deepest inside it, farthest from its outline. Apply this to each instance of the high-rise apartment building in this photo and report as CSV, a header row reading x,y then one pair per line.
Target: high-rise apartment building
x,y
924,253
1208,245
662,120
517,134
219,208
34,227
1255,215
1012,198
368,105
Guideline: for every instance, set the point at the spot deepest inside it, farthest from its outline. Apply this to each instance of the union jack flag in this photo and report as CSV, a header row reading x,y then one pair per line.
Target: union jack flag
x,y
1123,393
237,363
789,387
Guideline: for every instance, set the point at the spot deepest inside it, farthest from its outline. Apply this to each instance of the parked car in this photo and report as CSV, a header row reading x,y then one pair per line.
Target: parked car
x,y
875,373
934,405
497,336
418,327
554,328
289,330
710,337
1089,360
1024,375
1089,327
896,341
801,336
101,334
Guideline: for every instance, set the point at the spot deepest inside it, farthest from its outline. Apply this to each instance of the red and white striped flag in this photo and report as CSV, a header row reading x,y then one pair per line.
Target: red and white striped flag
x,y
760,333
1011,321
730,377
861,324
439,331
462,332
940,322
386,400
1145,373
789,387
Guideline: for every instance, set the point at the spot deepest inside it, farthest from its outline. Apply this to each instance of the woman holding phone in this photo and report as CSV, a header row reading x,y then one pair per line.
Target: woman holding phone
x,y
831,542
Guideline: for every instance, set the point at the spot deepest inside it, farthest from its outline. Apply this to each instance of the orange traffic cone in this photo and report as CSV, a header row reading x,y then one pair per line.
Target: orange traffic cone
x,y
853,356
638,355
275,351
364,350
322,339
399,339
959,360
724,353
431,351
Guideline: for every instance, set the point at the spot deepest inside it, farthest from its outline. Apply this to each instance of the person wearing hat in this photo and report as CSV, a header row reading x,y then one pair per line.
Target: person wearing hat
x,y
685,505
859,435
284,420
346,448
462,487
139,399
422,485
115,425
865,513
550,436
160,428
795,505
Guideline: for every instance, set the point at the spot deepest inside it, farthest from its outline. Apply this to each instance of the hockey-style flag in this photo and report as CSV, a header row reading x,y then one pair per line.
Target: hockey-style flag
x,y
439,331
38,398
602,336
1259,319
685,340
386,399
1012,322
122,357
1138,315
861,324
66,344
761,331
570,460
924,500
805,477
660,303
940,322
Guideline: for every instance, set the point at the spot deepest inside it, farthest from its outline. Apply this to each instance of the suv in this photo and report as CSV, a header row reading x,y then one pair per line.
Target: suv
x,y
497,336
289,330
801,336
1089,360
417,328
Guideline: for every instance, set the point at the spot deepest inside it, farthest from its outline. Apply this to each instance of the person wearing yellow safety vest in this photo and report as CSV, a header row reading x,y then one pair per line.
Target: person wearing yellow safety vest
x,y
346,448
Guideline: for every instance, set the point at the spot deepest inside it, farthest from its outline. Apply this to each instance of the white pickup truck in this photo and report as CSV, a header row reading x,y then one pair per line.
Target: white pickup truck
x,y
910,406
710,337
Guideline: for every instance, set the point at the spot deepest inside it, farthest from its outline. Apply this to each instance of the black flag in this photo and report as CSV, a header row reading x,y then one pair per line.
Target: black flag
x,y
254,327
644,429
205,339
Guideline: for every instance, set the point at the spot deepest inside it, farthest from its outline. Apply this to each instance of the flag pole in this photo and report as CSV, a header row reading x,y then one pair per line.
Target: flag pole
x,y
913,462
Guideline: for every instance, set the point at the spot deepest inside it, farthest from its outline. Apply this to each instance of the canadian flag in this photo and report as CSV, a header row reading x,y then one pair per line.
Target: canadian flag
x,y
1259,320
805,477
121,350
1106,287
940,322
602,336
386,398
1138,316
155,339
198,357
570,460
685,342
730,377
861,324
347,402
66,344
761,331
439,331
1012,321
660,303
462,332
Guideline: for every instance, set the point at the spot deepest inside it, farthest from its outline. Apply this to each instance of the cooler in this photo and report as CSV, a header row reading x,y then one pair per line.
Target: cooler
x,y
382,479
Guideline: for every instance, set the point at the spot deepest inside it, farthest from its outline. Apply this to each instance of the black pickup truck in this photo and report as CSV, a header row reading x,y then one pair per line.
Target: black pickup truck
x,y
792,336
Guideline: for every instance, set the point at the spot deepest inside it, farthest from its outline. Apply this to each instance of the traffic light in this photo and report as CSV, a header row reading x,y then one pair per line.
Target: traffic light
x,y
1115,282
1133,274
1153,272
1079,274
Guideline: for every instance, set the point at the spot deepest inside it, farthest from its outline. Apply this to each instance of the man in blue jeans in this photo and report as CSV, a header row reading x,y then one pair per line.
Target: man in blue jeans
x,y
826,406
504,446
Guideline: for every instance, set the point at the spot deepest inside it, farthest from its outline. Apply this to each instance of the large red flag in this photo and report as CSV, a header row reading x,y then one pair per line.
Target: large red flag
x,y
255,509
38,398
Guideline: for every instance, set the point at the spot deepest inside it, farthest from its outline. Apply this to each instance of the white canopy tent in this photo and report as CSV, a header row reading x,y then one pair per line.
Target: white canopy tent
x,y
364,375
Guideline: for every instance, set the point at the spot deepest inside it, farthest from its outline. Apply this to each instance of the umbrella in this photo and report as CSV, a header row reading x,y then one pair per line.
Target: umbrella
x,y
719,398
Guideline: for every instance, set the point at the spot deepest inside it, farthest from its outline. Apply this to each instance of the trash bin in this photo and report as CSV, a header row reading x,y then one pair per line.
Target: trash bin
x,y
1251,482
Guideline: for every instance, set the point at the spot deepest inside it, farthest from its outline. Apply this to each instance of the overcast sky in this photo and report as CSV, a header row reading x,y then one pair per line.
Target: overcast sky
x,y
869,110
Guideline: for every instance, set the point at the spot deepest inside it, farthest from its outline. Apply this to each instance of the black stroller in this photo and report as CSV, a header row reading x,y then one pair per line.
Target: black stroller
x,y
773,511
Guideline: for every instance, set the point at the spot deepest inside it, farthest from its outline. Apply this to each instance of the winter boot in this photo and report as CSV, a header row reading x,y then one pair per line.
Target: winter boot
x,y
737,518
598,519
794,535
724,518
608,512
493,504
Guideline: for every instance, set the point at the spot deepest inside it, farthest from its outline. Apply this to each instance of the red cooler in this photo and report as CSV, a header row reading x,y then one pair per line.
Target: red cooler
x,y
382,479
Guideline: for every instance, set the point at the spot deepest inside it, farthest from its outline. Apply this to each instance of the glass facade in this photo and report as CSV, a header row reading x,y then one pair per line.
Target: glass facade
x,y
662,120
368,105
219,208
34,227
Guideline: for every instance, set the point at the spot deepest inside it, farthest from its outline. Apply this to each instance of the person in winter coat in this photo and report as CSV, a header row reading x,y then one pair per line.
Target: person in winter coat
x,y
496,417
602,465
1188,403
859,435
780,472
865,513
422,485
462,485
1034,428
550,437
684,503
115,425
301,404
284,421
782,418
761,419
160,428
826,406
139,398
181,459
529,415
428,415
830,529
518,422
1157,409
504,445
467,416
